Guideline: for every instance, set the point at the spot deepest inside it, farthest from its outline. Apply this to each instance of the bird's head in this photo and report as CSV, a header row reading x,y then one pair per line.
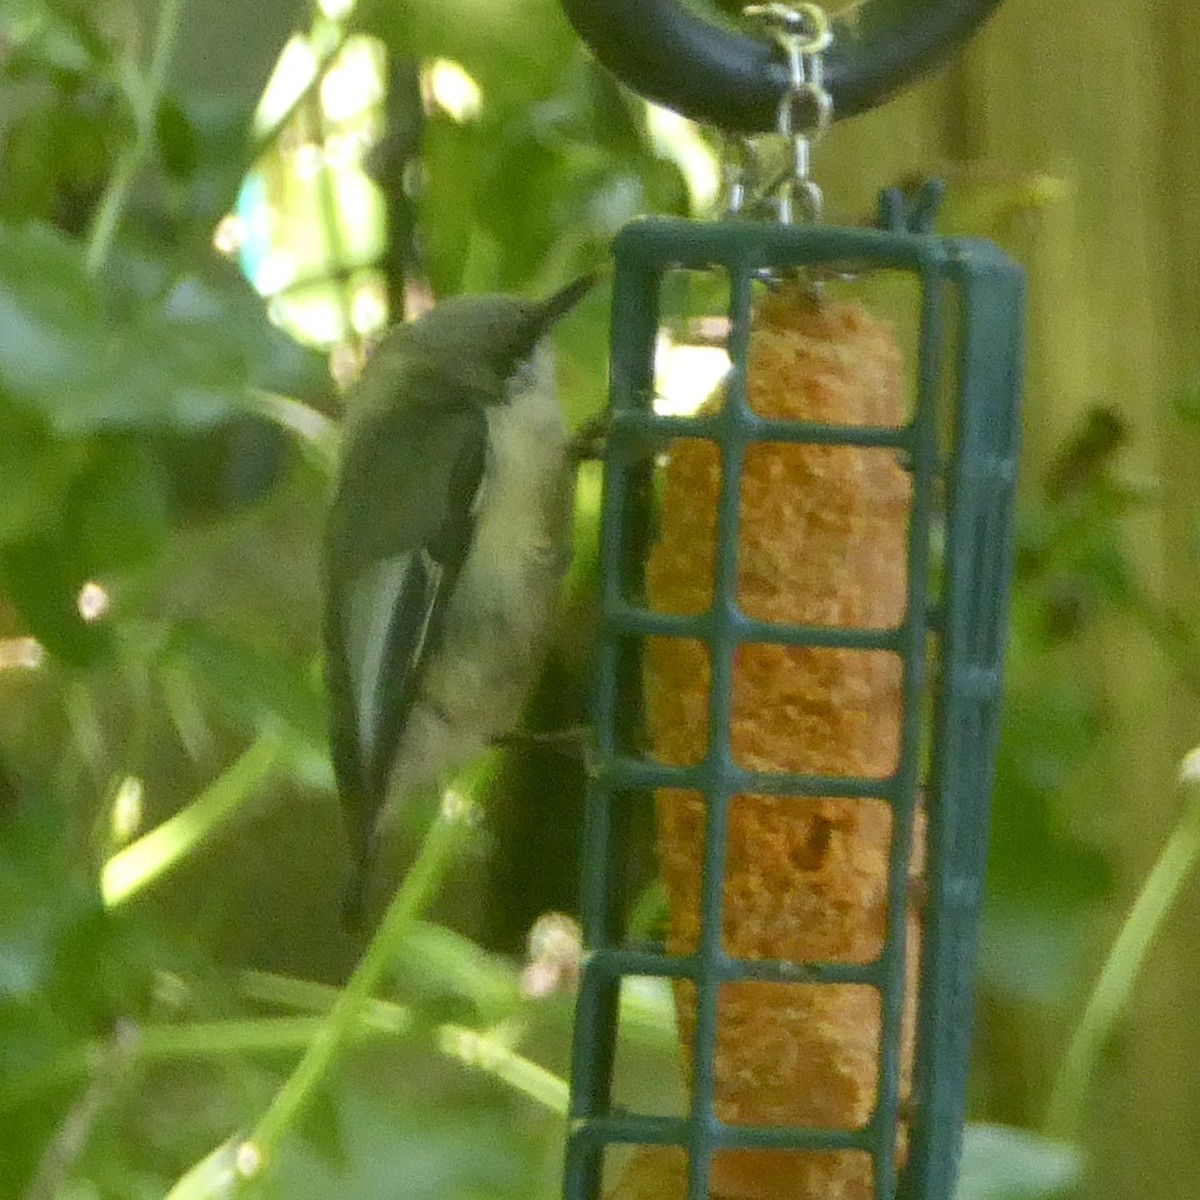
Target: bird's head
x,y
492,335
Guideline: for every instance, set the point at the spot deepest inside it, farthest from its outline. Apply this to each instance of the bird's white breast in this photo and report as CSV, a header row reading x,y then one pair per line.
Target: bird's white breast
x,y
501,614
519,517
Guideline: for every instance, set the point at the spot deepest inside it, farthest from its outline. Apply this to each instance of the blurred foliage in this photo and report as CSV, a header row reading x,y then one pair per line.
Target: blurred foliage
x,y
164,442
149,405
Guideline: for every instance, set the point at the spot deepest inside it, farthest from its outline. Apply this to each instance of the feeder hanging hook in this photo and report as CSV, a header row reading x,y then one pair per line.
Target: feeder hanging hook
x,y
722,77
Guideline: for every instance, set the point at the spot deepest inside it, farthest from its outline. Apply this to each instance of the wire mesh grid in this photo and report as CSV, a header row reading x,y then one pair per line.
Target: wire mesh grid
x,y
965,495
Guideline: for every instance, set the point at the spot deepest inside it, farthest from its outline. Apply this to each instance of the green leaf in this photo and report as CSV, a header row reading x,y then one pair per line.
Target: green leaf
x,y
69,352
36,475
214,1177
227,319
1002,1163
54,34
33,869
213,471
64,185
218,126
51,317
177,145
253,685
434,962
117,511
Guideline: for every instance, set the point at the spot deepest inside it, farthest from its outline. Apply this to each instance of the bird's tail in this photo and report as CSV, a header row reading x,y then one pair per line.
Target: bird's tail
x,y
354,899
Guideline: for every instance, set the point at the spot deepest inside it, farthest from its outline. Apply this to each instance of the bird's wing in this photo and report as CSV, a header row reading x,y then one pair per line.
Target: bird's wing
x,y
396,541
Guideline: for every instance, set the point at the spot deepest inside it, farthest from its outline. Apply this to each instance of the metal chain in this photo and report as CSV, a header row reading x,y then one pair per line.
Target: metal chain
x,y
737,174
806,107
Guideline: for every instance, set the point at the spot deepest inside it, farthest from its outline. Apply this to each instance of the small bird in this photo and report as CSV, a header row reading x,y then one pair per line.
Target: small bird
x,y
445,549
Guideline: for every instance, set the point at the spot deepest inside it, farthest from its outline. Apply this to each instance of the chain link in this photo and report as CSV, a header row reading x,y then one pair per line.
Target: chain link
x,y
737,174
805,108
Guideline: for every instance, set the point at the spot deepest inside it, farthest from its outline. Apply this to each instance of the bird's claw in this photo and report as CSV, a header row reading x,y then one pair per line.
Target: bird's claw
x,y
590,440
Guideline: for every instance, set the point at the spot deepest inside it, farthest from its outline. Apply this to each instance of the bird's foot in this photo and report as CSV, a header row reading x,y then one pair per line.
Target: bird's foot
x,y
590,440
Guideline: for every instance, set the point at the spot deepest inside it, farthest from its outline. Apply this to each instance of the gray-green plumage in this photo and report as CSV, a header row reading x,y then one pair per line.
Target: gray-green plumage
x,y
445,548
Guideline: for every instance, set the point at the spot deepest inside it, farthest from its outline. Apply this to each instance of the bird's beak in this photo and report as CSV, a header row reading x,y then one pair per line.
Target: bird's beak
x,y
557,306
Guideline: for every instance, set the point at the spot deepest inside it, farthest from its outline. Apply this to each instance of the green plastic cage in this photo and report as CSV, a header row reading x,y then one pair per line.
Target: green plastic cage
x,y
959,444
966,497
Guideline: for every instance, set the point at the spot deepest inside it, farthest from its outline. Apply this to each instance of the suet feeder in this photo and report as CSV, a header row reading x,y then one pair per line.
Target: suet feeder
x,y
801,639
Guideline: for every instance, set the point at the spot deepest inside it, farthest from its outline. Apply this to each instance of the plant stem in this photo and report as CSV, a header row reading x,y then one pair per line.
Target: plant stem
x,y
379,1020
206,1040
448,960
143,93
317,433
488,1053
485,1051
420,884
269,988
215,1039
1111,993
141,863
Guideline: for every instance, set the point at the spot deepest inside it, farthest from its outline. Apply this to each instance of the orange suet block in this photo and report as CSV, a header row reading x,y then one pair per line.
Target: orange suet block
x,y
822,541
